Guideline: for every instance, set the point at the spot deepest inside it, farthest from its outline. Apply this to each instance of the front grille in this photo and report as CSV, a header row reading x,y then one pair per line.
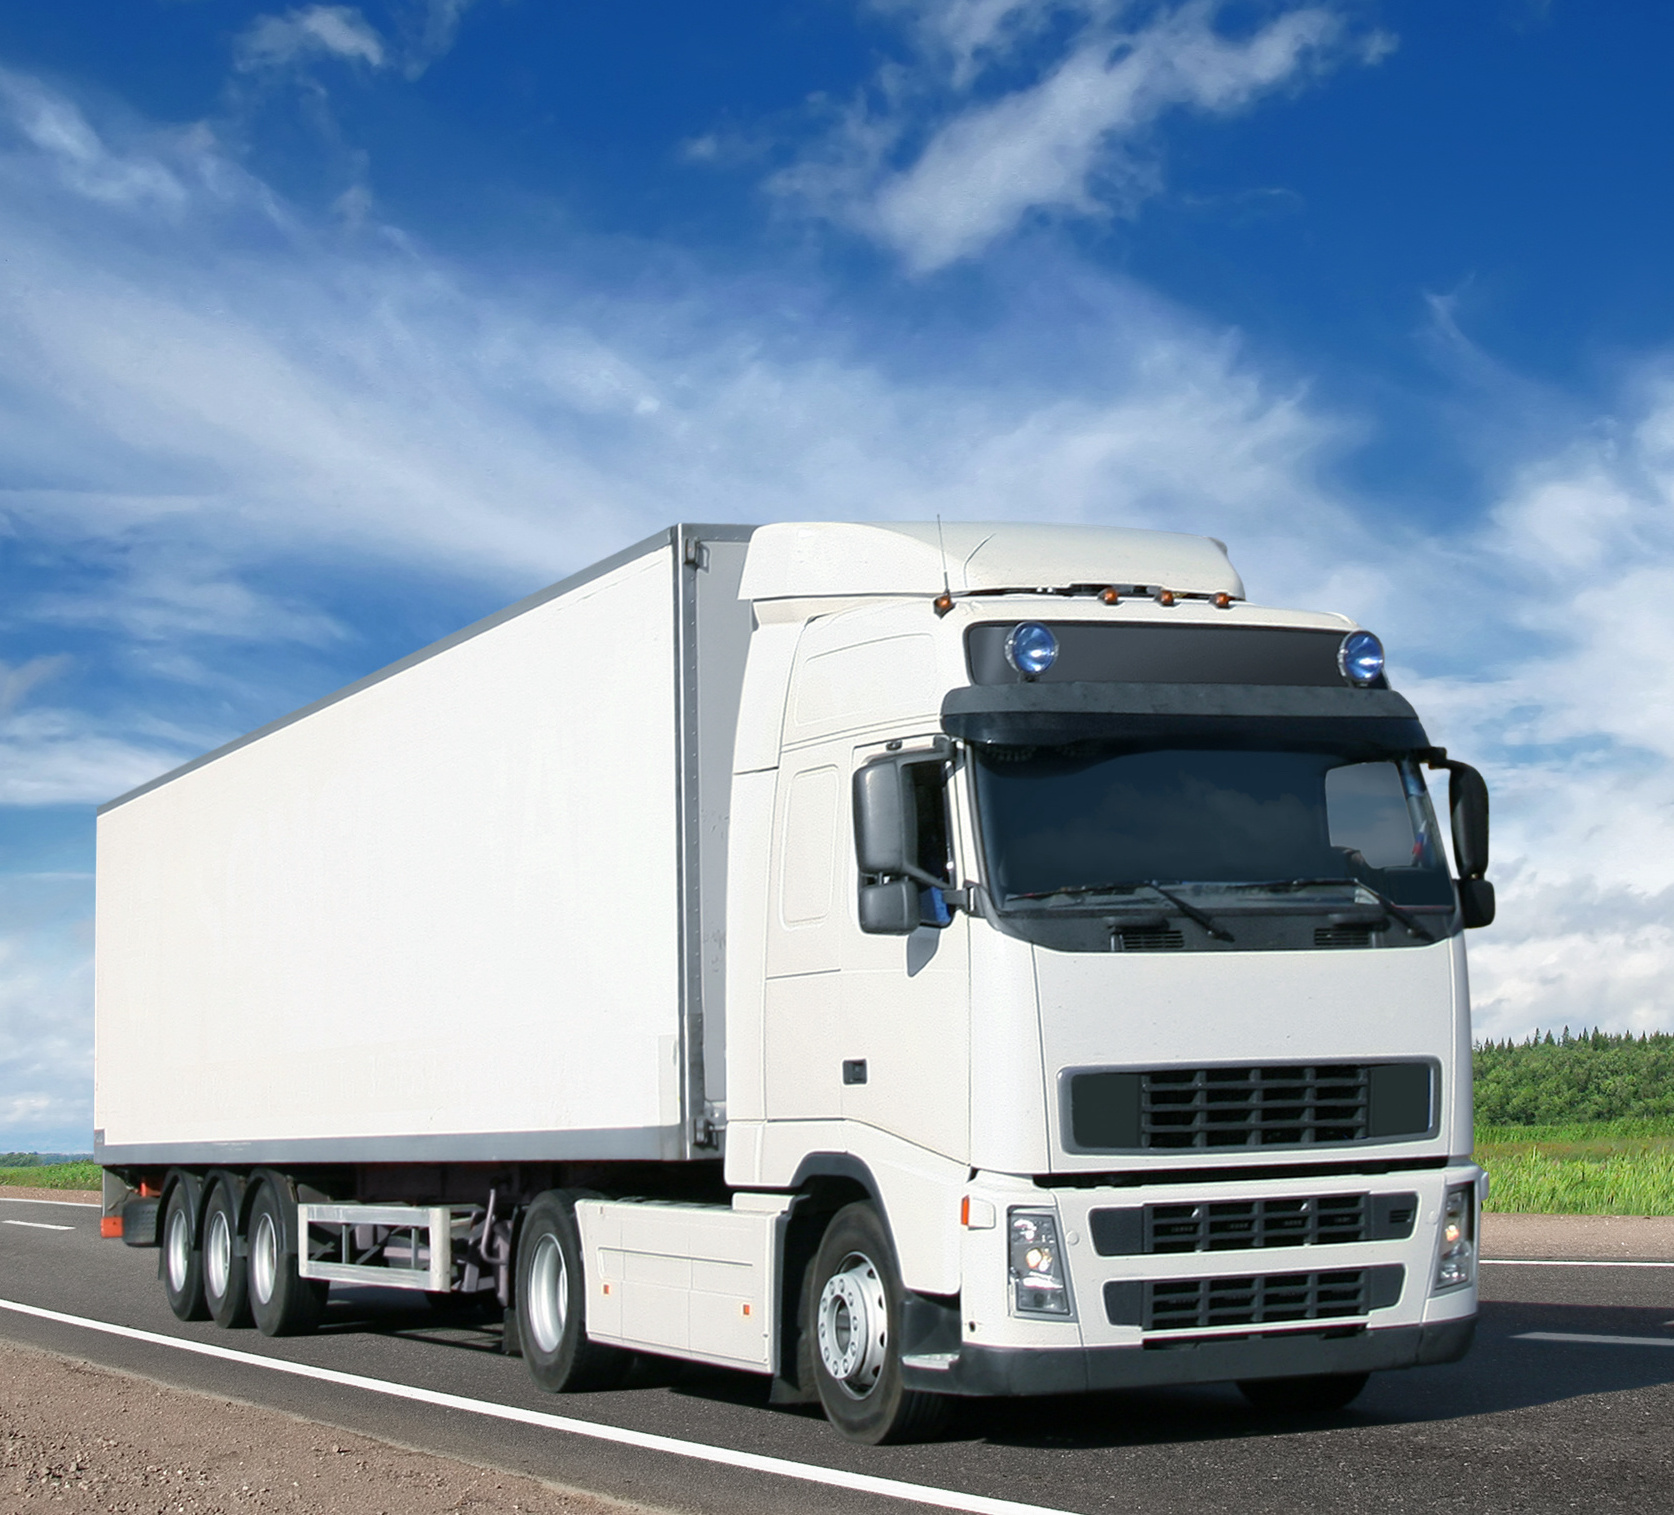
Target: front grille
x,y
1263,1299
1267,1105
1151,941
1342,936
1239,1225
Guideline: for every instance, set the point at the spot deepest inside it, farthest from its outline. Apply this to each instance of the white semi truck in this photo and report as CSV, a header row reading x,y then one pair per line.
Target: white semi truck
x,y
904,964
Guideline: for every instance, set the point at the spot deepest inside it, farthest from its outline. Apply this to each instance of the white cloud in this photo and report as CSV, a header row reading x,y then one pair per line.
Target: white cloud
x,y
46,1014
333,31
1069,142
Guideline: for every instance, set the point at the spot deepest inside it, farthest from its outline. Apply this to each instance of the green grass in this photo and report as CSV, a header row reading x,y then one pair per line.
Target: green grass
x,y
54,1176
1620,1167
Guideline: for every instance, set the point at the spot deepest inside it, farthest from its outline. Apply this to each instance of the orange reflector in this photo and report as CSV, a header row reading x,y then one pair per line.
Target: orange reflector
x,y
607,1288
965,1211
746,1309
111,1225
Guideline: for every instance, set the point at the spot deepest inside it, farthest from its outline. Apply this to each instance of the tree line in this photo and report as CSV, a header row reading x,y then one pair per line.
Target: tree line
x,y
1560,1078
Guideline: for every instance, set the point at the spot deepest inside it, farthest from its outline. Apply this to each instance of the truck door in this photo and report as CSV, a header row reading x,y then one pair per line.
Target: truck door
x,y
905,999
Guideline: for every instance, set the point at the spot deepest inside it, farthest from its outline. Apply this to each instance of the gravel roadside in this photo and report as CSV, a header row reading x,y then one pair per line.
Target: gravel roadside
x,y
83,1439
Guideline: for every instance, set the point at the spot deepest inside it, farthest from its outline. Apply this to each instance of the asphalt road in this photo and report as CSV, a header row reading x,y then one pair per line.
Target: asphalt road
x,y
1520,1425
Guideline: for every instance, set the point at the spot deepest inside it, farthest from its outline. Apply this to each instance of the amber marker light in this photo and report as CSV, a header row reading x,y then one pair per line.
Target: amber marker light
x,y
942,603
1109,596
1222,600
1165,596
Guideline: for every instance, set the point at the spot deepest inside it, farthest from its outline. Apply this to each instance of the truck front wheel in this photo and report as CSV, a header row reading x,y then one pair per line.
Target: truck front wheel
x,y
182,1261
852,1319
282,1300
551,1303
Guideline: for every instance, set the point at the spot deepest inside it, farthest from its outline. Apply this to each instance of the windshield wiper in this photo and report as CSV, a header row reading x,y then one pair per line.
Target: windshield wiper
x,y
1404,916
1190,911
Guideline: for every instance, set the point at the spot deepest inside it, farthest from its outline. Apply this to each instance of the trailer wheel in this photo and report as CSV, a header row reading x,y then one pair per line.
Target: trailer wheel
x,y
226,1275
551,1303
852,1308
182,1261
283,1302
1313,1395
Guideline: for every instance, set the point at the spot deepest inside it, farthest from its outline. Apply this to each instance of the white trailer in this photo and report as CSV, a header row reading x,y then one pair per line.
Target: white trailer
x,y
905,964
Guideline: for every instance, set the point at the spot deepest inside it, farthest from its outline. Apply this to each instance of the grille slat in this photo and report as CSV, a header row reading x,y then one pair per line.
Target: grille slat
x,y
1250,1225
1263,1299
1265,1105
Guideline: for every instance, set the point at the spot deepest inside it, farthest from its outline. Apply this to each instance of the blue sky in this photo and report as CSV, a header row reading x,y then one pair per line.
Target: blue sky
x,y
325,329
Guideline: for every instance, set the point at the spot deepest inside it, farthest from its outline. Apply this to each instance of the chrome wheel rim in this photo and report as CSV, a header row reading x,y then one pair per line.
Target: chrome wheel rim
x,y
548,1304
264,1258
853,1325
180,1249
217,1255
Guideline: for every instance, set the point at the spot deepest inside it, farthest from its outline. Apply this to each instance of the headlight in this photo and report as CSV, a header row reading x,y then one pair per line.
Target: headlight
x,y
1457,1264
1038,1281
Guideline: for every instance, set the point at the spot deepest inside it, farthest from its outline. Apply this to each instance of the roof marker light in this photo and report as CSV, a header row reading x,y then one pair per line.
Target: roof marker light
x,y
1223,600
1165,596
1110,596
1031,648
1360,658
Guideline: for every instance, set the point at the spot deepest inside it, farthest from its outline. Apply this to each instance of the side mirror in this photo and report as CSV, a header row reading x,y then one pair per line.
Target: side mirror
x,y
1468,802
884,818
890,909
1476,902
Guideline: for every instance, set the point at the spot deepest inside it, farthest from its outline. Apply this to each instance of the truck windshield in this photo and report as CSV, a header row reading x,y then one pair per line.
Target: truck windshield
x,y
1252,826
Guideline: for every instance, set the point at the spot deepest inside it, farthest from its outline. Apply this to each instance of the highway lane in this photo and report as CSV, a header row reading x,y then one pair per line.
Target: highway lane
x,y
1527,1425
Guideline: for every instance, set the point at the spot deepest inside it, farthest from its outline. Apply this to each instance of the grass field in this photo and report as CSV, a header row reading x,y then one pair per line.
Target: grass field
x,y
54,1176
1622,1167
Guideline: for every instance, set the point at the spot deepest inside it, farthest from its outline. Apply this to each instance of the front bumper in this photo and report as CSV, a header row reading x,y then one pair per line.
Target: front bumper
x,y
984,1370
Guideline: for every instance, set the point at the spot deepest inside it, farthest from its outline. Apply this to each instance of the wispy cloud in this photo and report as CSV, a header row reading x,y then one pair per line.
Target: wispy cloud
x,y
314,31
949,153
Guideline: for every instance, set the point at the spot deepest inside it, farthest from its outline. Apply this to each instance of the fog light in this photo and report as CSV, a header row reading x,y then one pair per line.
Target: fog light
x,y
1456,1265
1038,1282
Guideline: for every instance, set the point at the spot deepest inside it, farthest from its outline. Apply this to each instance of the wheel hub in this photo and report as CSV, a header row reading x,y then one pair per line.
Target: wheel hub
x,y
853,1325
549,1294
217,1255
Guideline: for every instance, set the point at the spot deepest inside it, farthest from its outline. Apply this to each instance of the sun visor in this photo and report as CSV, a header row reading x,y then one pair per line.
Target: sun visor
x,y
1055,715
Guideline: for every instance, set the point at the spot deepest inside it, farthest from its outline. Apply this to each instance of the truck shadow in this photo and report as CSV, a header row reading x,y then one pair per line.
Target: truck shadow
x,y
1501,1373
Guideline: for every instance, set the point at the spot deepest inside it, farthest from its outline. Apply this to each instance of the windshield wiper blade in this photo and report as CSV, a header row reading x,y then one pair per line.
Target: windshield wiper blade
x,y
1404,916
1190,911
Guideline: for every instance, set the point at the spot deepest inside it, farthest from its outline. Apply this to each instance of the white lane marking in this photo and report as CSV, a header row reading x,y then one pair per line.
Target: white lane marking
x,y
864,1483
36,1225
1597,1341
80,1204
1553,1262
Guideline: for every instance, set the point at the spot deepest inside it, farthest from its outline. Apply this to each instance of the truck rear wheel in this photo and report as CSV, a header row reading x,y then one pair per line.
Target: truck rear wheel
x,y
283,1302
552,1303
182,1261
225,1273
852,1320
1313,1395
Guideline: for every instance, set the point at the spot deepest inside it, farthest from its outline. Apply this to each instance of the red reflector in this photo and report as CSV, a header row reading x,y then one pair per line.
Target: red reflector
x,y
110,1225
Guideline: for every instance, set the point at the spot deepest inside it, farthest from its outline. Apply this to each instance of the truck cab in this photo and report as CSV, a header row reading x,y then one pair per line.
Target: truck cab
x,y
1098,925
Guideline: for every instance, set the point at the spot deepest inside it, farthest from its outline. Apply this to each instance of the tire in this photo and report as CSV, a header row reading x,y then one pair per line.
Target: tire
x,y
1317,1394
181,1265
283,1302
226,1275
552,1303
852,1307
